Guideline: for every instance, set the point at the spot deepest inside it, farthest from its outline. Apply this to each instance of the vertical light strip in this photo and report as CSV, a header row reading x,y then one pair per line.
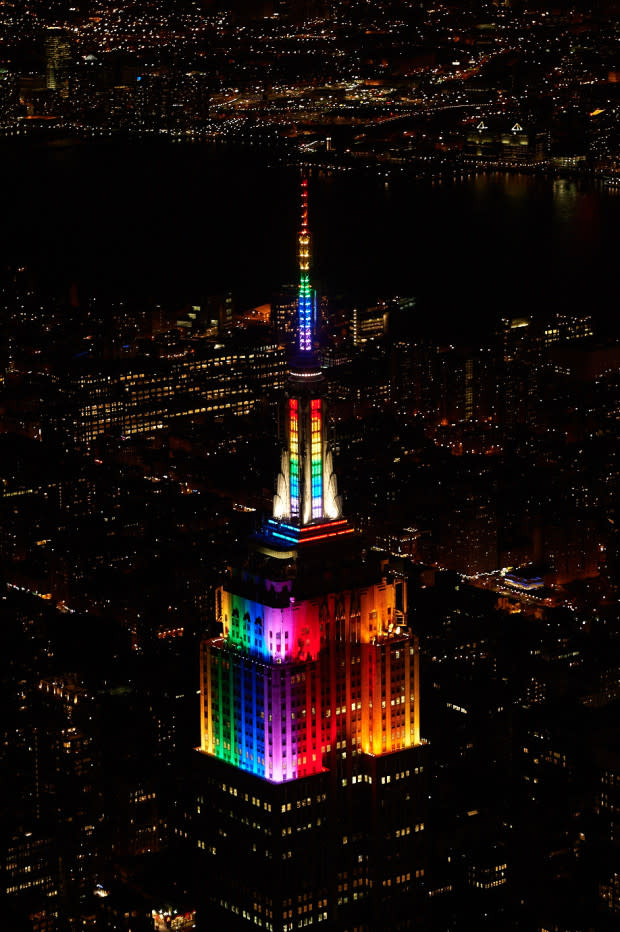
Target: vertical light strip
x,y
317,459
305,315
293,441
305,302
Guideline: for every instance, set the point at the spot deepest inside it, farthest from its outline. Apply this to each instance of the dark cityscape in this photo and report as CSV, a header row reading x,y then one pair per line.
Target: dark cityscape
x,y
309,472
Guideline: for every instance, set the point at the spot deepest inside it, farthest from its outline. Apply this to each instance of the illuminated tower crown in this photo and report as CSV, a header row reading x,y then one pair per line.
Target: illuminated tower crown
x,y
306,504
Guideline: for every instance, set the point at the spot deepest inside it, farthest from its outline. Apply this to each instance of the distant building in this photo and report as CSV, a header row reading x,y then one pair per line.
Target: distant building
x,y
369,323
524,361
28,866
143,394
57,59
514,145
609,893
210,317
69,787
468,536
284,313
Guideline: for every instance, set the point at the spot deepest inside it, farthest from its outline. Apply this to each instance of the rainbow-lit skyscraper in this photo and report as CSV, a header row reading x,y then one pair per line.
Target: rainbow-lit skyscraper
x,y
312,803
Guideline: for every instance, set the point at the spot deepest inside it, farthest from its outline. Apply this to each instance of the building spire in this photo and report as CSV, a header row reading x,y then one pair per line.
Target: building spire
x,y
305,302
306,505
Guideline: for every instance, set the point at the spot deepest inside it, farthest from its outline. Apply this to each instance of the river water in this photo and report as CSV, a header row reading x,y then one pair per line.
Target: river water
x,y
172,223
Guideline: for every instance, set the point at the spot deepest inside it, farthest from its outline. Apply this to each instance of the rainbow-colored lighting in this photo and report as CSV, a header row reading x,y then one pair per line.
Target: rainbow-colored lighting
x,y
293,440
305,301
317,457
271,699
308,534
271,633
254,726
254,678
295,678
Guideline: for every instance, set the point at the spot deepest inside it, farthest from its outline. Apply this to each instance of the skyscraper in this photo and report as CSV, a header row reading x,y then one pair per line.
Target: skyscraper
x,y
311,802
57,59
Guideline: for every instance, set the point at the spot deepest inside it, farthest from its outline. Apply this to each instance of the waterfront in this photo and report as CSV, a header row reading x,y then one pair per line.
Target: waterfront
x,y
174,223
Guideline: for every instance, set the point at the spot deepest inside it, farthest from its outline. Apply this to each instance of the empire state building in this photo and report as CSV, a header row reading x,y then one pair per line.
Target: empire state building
x,y
311,808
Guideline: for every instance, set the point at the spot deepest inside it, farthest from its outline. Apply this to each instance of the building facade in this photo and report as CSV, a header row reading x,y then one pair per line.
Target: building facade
x,y
130,397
